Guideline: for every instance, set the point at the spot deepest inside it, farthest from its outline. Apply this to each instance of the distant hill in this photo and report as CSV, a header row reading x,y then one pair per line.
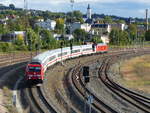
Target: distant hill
x,y
127,20
2,7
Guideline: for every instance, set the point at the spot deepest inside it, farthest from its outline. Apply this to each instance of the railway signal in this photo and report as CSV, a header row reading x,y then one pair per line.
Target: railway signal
x,y
86,74
71,46
94,46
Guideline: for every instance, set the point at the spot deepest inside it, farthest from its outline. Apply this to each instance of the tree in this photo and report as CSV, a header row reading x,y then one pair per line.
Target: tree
x,y
12,6
6,47
132,29
48,42
32,39
59,26
3,29
80,35
147,35
96,39
108,19
19,44
77,14
17,25
114,36
120,21
119,37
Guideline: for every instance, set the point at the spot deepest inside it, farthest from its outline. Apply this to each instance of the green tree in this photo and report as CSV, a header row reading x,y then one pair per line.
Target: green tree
x,y
77,14
132,29
48,42
96,39
147,35
114,36
3,29
80,35
108,19
16,25
12,6
19,44
32,38
118,37
6,47
120,21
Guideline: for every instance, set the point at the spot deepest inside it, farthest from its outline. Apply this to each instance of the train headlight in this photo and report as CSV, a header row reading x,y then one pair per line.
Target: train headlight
x,y
30,75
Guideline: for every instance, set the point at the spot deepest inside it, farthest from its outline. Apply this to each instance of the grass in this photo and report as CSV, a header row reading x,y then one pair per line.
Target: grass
x,y
135,73
8,100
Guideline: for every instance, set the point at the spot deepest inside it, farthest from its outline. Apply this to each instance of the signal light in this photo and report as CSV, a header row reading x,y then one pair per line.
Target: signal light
x,y
86,79
86,74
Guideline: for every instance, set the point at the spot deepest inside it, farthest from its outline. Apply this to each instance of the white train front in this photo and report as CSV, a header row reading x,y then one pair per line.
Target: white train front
x,y
35,69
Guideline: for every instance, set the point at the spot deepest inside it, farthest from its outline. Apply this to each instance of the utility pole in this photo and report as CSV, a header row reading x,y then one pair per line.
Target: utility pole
x,y
146,19
147,24
71,19
72,4
25,19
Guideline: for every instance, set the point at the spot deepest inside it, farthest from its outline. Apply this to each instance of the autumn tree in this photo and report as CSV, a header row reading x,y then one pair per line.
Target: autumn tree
x,y
59,26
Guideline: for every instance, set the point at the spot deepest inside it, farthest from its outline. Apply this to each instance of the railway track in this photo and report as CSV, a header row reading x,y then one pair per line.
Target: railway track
x,y
138,100
13,58
101,106
39,102
80,86
42,105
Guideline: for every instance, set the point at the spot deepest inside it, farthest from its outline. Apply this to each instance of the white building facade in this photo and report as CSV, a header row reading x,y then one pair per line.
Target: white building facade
x,y
48,24
78,25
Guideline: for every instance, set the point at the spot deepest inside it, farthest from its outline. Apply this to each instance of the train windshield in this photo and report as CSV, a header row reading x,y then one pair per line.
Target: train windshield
x,y
34,69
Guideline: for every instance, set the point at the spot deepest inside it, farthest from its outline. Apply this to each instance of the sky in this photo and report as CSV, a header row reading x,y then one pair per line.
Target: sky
x,y
123,8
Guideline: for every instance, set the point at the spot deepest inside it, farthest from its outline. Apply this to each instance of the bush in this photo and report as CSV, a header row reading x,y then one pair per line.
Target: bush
x,y
6,47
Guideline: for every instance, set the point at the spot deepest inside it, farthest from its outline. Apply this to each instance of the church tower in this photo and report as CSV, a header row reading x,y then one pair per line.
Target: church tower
x,y
89,12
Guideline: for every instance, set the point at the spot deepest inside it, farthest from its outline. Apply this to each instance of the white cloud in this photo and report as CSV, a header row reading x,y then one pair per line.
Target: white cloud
x,y
99,7
56,2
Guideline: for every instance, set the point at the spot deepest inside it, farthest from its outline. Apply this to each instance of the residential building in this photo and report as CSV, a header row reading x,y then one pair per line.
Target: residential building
x,y
78,25
100,29
48,24
118,26
63,37
13,36
105,39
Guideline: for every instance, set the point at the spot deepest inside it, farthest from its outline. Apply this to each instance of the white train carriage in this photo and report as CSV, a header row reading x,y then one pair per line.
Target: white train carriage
x,y
76,51
87,49
37,67
63,54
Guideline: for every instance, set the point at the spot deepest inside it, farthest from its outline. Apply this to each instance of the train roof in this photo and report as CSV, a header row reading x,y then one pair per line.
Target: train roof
x,y
42,56
101,44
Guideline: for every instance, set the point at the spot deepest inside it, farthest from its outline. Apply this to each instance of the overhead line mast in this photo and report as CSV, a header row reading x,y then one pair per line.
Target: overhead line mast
x,y
147,20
